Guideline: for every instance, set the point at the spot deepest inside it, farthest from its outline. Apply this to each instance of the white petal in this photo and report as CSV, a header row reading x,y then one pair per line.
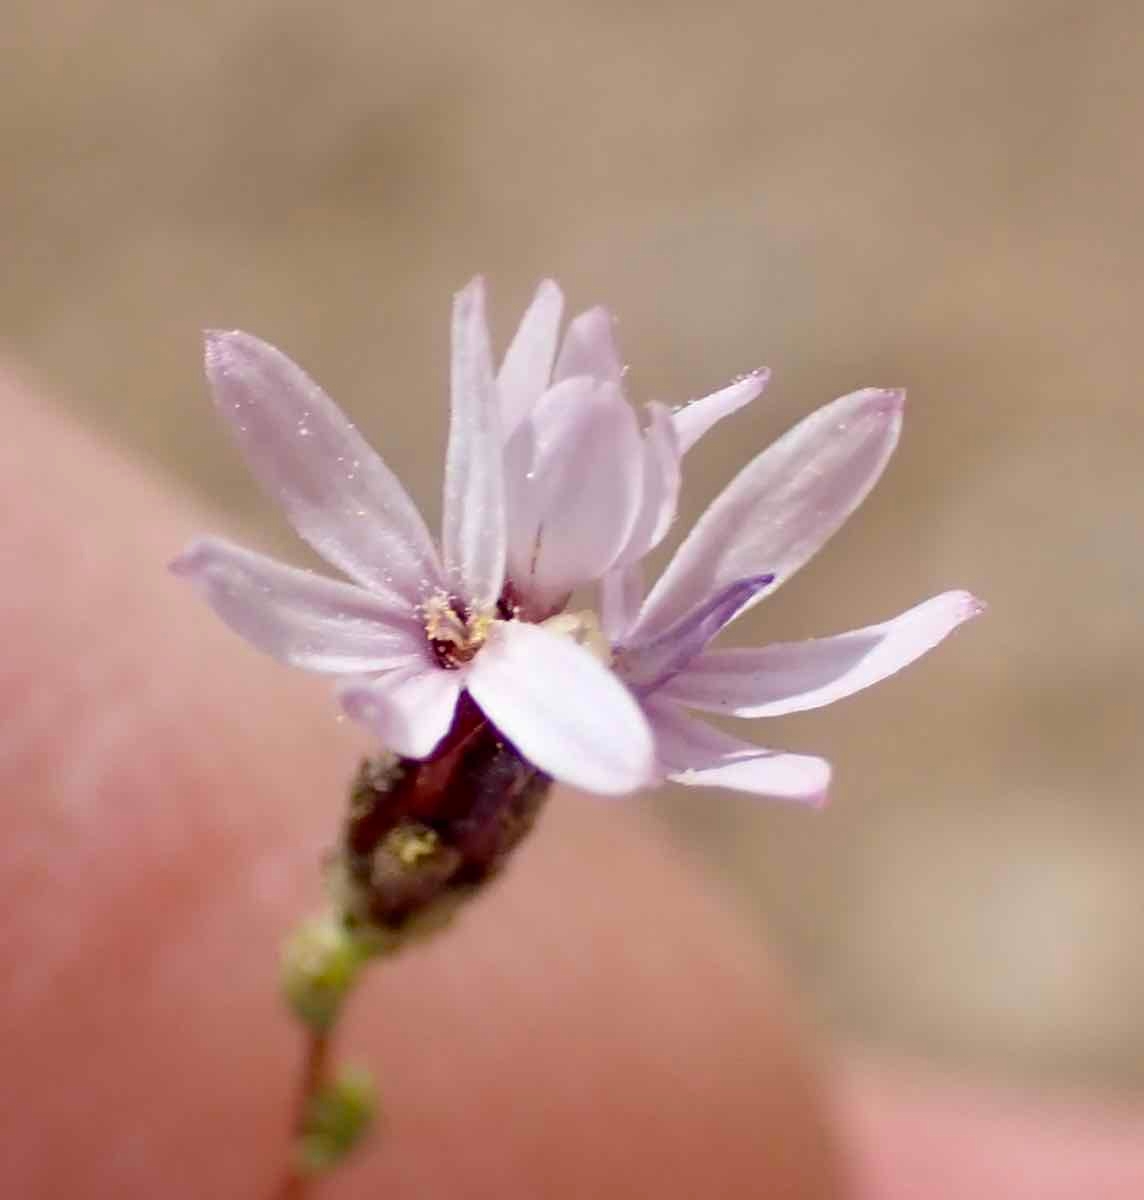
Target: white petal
x,y
693,753
473,533
589,349
298,617
795,676
782,507
695,419
621,594
525,373
578,503
646,668
408,710
562,709
336,491
661,480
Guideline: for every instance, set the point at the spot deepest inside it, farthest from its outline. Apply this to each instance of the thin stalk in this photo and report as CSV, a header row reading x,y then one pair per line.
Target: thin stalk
x,y
297,1181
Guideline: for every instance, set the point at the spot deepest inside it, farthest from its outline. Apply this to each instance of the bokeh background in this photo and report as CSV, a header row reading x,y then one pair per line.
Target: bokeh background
x,y
944,195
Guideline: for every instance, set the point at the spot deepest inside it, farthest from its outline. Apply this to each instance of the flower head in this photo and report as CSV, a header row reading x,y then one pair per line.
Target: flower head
x,y
551,483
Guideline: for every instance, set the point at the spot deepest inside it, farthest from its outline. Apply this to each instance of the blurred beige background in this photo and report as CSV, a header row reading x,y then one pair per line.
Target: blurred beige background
x,y
945,195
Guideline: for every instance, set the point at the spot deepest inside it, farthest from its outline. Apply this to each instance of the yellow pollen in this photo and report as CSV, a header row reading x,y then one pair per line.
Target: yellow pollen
x,y
410,844
462,634
479,626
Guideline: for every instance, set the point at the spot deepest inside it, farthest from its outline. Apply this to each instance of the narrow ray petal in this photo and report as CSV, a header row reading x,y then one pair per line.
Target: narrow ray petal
x,y
697,755
562,709
782,507
695,419
589,348
298,617
621,594
336,491
473,533
409,710
661,480
648,666
580,497
796,676
527,366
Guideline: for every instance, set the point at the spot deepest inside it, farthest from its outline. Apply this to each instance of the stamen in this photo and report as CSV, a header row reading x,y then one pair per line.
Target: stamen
x,y
454,635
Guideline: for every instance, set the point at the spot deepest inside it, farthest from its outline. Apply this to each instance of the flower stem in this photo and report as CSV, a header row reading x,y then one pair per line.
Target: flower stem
x,y
419,839
297,1181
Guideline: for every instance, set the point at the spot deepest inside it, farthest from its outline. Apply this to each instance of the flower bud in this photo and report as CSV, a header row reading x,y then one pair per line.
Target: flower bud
x,y
320,963
336,1118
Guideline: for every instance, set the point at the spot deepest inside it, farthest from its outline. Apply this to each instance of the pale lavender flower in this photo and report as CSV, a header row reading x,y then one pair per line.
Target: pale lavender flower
x,y
464,654
549,483
772,518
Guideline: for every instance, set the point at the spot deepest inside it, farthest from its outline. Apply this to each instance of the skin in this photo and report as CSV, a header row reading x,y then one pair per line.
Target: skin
x,y
596,1025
